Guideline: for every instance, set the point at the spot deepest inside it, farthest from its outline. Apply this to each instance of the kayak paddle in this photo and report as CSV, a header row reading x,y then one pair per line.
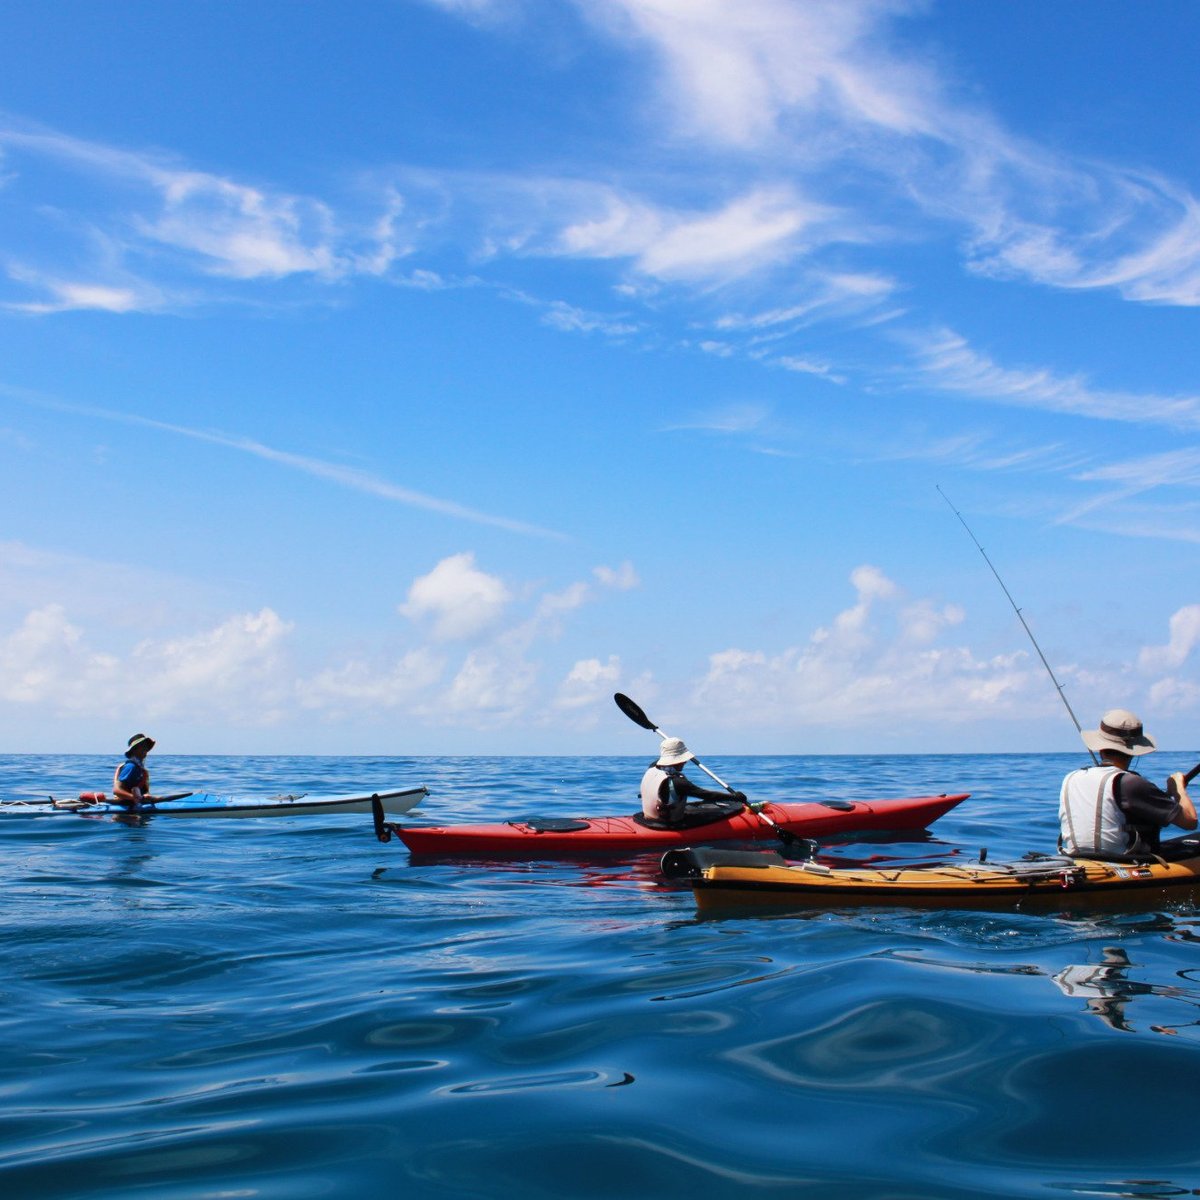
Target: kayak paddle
x,y
636,714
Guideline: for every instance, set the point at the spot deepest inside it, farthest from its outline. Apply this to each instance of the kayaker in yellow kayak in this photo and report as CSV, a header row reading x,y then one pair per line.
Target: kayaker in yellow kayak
x,y
1108,810
666,789
131,779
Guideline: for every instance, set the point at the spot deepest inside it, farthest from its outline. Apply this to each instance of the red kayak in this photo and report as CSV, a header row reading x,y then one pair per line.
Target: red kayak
x,y
588,835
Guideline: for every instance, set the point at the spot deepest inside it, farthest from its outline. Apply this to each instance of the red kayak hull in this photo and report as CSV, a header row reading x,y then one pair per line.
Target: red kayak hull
x,y
814,819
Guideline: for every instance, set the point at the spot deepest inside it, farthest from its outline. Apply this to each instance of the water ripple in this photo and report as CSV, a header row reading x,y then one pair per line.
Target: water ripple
x,y
290,1009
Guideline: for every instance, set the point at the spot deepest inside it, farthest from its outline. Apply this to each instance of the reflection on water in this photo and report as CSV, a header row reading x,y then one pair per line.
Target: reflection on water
x,y
1108,990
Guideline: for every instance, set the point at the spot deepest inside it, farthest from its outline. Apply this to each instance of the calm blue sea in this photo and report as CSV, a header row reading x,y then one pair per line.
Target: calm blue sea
x,y
287,1008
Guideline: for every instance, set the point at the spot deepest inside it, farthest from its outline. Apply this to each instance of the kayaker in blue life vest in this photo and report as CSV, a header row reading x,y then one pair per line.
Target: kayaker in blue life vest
x,y
666,789
131,780
1109,810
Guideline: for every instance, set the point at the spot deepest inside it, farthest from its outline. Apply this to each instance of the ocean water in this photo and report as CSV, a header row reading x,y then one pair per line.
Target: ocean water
x,y
288,1008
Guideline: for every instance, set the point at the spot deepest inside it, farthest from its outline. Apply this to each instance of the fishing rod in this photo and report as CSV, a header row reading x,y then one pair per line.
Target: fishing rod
x,y
1021,617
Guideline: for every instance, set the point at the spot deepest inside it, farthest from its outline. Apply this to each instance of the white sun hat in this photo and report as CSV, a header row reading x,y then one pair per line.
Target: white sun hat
x,y
673,752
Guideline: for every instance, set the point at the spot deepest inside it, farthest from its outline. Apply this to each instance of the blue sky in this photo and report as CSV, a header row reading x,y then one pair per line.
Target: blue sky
x,y
409,376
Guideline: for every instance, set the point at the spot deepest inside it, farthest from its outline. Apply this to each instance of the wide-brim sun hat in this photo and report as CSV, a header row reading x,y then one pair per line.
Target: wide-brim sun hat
x,y
138,741
1119,730
673,752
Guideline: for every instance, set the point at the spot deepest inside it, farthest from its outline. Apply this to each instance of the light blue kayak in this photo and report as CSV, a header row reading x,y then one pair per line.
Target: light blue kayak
x,y
208,804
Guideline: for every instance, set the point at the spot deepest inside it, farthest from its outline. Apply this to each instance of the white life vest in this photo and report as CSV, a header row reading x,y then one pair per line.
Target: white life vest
x,y
656,795
1089,820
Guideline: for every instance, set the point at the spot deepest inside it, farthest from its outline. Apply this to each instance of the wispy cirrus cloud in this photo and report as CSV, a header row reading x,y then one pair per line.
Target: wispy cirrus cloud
x,y
947,361
823,88
336,473
155,227
759,227
1176,472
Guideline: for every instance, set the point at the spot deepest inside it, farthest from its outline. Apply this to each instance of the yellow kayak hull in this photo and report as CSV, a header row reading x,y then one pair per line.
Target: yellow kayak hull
x,y
766,880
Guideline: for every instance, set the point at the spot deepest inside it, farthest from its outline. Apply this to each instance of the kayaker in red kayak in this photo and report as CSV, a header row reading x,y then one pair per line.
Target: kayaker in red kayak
x,y
131,779
1108,810
666,789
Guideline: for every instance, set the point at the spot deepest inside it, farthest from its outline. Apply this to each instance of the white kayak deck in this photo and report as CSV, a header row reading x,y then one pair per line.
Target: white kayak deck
x,y
208,804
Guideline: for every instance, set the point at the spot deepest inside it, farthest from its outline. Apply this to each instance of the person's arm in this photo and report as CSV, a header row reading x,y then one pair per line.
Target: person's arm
x,y
1147,805
690,791
1187,810
124,791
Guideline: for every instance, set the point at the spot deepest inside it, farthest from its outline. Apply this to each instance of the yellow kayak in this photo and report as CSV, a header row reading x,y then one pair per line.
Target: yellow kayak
x,y
725,879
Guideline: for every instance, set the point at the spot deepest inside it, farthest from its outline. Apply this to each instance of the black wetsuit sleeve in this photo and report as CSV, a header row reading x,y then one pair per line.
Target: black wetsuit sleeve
x,y
689,791
1144,804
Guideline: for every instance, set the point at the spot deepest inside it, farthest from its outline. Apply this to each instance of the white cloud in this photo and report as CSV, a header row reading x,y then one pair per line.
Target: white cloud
x,y
878,661
569,319
553,605
119,594
624,578
166,226
496,679
946,360
461,601
819,86
46,661
345,476
221,660
588,683
737,70
924,620
749,232
1182,640
71,295
808,366
1171,696
485,12
734,418
357,685
235,669
240,231
490,688
762,226
799,103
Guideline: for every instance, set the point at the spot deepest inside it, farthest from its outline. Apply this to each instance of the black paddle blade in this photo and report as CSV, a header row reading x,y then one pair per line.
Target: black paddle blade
x,y
382,830
633,712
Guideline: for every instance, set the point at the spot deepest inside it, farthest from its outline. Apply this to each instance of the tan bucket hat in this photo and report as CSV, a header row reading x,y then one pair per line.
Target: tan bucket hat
x,y
138,741
1119,730
673,752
